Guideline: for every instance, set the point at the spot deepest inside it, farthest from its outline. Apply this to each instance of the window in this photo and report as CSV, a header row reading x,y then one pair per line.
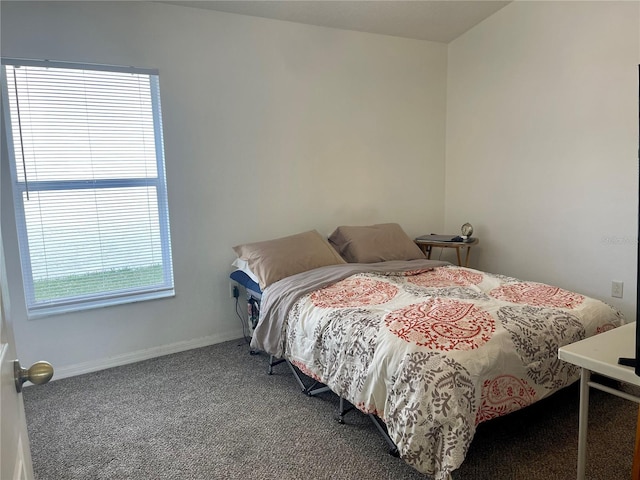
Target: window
x,y
87,167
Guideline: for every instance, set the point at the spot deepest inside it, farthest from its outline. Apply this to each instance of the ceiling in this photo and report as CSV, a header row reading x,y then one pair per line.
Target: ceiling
x,y
434,20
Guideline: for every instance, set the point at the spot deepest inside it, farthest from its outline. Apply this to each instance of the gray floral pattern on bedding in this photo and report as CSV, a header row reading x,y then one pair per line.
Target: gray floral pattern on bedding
x,y
434,352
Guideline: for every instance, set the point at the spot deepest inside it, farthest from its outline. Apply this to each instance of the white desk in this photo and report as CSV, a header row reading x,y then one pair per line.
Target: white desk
x,y
600,354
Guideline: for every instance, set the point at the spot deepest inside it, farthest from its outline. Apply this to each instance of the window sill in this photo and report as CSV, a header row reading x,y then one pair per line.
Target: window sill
x,y
49,311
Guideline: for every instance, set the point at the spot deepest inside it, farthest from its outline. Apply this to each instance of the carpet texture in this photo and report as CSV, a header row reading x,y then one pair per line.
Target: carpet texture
x,y
214,413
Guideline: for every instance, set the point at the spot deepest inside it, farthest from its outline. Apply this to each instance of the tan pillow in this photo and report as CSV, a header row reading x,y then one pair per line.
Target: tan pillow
x,y
273,260
374,243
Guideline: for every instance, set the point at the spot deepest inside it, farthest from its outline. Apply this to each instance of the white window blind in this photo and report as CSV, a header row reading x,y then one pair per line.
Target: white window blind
x,y
87,164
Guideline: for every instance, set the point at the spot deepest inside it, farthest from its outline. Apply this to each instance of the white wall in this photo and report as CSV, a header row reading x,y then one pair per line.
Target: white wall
x,y
271,128
542,143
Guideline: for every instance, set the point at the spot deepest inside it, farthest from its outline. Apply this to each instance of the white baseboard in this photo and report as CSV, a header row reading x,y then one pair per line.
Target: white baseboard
x,y
146,354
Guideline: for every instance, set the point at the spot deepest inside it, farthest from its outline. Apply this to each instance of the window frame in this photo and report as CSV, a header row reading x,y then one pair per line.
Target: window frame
x,y
36,309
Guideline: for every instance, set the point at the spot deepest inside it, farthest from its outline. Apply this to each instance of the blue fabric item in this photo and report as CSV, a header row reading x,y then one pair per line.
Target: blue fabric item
x,y
244,280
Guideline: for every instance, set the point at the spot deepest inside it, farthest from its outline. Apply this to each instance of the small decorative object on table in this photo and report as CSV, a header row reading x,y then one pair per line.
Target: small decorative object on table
x,y
467,230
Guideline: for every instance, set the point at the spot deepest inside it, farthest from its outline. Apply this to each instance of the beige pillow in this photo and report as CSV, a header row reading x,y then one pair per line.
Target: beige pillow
x,y
374,243
273,260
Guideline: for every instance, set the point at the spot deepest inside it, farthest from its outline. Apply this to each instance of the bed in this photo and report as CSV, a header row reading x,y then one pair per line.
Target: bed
x,y
429,348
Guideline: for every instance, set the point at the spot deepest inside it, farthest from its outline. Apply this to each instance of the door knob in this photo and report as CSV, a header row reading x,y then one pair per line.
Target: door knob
x,y
39,373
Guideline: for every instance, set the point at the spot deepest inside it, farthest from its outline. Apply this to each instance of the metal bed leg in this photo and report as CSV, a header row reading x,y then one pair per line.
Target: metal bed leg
x,y
310,390
393,450
297,377
342,411
273,363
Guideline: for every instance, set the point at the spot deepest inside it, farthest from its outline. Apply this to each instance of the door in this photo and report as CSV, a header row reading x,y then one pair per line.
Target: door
x,y
15,457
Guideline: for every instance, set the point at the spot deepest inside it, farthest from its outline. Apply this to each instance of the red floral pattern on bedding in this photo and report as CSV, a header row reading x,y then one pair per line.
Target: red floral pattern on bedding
x,y
366,408
354,292
304,369
605,328
537,294
432,363
442,324
447,277
504,394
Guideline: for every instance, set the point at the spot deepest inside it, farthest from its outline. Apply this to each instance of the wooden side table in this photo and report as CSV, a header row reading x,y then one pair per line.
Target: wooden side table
x,y
427,245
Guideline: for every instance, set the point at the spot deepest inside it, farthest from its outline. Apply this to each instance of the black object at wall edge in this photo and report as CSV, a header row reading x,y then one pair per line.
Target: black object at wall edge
x,y
637,359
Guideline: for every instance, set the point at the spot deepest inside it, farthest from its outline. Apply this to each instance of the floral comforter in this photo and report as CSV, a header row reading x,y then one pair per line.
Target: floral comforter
x,y
434,351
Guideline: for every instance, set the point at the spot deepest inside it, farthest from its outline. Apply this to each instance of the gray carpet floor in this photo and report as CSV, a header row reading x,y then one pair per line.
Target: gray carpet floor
x,y
214,413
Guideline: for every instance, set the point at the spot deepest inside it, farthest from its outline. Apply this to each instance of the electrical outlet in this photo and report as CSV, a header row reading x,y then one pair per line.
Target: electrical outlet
x,y
233,290
616,289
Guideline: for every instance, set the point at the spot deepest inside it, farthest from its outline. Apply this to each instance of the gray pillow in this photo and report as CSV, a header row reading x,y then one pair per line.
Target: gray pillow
x,y
374,243
273,260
